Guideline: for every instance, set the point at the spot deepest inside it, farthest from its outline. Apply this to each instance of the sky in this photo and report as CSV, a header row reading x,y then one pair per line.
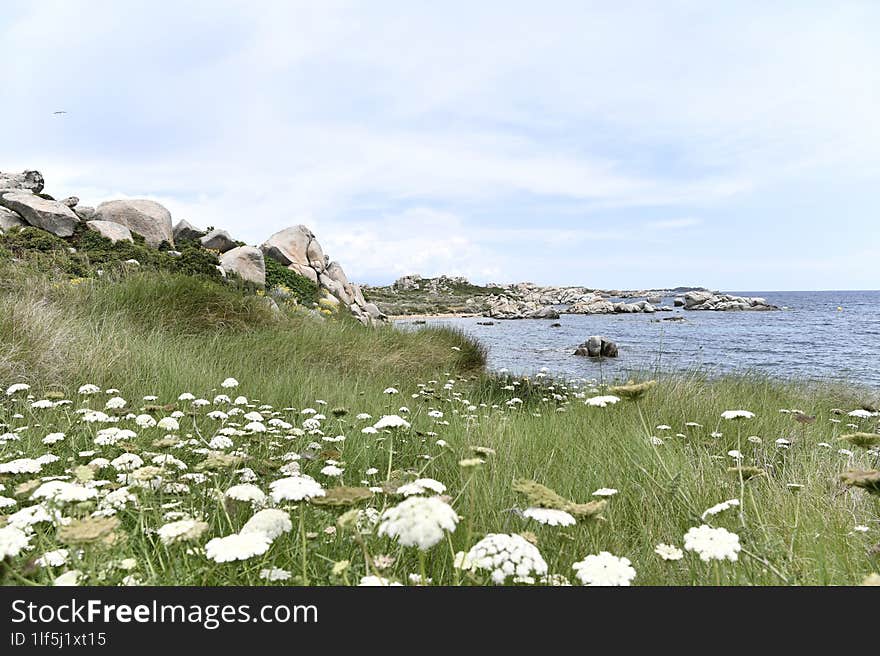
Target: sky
x,y
607,144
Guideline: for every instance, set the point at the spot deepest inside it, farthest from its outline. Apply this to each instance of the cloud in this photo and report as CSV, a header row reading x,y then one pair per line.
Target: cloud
x,y
515,139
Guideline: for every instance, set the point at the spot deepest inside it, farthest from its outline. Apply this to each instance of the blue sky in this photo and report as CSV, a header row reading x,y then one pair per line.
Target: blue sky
x,y
626,144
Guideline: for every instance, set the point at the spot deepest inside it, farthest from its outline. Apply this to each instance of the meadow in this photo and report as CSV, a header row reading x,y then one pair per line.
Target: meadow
x,y
164,429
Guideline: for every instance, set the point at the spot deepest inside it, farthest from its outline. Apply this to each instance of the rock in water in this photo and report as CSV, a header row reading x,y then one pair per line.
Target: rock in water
x,y
145,217
247,262
27,180
218,240
10,219
183,229
598,346
50,215
112,231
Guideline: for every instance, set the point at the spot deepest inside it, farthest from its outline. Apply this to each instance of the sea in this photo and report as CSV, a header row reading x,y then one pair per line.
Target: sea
x,y
824,336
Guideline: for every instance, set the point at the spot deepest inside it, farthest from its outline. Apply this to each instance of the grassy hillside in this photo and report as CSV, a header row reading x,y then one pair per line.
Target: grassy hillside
x,y
669,454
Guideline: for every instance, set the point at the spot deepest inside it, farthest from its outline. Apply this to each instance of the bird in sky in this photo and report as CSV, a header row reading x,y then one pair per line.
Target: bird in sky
x,y
61,111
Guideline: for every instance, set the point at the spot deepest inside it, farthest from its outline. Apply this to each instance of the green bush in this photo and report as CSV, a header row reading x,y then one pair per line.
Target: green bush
x,y
19,241
196,261
304,290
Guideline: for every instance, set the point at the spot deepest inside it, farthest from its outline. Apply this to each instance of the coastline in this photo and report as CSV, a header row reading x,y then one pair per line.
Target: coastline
x,y
442,315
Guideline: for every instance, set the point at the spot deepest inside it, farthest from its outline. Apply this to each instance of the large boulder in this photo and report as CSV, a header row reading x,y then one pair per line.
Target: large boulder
x,y
27,181
695,298
290,246
218,240
112,231
145,217
545,312
183,229
49,215
10,219
247,262
84,212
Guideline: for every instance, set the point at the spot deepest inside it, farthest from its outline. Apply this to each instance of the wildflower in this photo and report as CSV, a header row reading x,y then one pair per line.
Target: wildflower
x,y
238,546
274,574
735,454
604,569
468,463
168,423
668,552
421,486
57,558
181,531
332,471
378,581
390,390
17,387
605,492
88,389
12,541
70,578
737,414
419,522
220,442
21,466
247,492
602,401
295,488
860,414
229,383
115,403
506,556
663,427
866,479
861,529
633,390
712,543
719,507
754,439
550,516
61,492
91,530
391,421
127,462
362,416
271,522
43,404
783,443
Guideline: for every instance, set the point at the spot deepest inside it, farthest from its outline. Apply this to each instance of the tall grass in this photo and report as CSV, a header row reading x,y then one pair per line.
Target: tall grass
x,y
164,334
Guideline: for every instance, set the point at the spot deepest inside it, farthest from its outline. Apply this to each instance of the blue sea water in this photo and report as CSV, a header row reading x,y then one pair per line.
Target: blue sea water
x,y
810,339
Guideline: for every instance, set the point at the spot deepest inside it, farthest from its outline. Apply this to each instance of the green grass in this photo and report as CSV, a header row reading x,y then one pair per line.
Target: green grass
x,y
149,333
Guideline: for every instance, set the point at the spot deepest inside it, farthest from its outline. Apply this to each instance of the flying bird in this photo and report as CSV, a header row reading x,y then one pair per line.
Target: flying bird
x,y
61,111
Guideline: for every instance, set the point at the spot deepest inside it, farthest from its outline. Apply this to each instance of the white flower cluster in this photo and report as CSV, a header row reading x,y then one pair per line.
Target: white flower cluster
x,y
712,543
419,521
604,569
506,555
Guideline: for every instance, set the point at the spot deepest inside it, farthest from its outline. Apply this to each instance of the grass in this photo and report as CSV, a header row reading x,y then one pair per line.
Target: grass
x,y
153,333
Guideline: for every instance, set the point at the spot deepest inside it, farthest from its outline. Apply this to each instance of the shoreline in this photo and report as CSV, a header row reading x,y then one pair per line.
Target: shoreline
x,y
425,317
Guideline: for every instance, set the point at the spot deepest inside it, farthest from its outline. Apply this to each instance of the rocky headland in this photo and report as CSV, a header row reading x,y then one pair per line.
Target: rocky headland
x,y
24,206
415,295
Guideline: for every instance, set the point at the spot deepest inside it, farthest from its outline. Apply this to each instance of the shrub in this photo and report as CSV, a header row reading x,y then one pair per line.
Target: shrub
x,y
304,290
21,240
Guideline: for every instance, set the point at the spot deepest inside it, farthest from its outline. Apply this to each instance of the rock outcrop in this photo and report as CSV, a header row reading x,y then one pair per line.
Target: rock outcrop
x,y
705,300
218,240
598,346
112,231
27,180
144,217
10,219
247,262
48,215
505,307
183,229
298,249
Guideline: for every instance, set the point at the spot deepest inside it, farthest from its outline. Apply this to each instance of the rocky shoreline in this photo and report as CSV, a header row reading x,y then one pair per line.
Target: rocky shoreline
x,y
413,295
